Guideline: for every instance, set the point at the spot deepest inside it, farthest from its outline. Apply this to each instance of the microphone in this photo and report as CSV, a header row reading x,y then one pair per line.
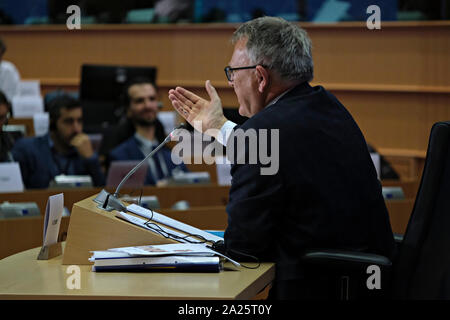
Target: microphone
x,y
109,201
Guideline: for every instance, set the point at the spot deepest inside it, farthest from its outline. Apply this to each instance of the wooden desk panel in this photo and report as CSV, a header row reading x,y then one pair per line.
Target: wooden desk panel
x,y
196,195
23,277
19,234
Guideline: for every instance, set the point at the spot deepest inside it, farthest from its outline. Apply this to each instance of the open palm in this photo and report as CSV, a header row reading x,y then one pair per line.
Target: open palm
x,y
200,113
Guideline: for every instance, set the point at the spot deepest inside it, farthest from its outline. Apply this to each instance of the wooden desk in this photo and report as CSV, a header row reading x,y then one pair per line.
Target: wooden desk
x,y
196,195
23,277
19,234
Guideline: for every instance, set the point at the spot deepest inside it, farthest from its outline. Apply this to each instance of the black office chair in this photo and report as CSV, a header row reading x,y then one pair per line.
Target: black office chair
x,y
421,268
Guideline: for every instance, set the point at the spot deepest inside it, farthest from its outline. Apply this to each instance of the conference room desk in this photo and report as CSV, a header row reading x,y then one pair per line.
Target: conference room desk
x,y
195,194
24,277
18,234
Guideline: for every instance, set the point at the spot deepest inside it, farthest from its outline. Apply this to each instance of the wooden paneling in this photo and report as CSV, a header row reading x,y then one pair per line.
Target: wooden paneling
x,y
395,81
19,234
196,195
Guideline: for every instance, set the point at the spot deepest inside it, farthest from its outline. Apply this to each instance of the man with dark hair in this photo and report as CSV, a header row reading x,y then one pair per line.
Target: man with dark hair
x,y
9,76
65,150
324,193
117,134
142,102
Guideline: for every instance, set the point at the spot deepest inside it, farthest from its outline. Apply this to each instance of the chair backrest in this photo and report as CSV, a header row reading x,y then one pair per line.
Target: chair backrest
x,y
422,266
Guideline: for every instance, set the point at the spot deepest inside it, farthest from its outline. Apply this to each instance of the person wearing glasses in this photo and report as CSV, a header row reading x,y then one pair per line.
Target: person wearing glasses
x,y
325,193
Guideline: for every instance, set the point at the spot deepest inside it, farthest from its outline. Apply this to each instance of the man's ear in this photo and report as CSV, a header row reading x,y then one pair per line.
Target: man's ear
x,y
263,78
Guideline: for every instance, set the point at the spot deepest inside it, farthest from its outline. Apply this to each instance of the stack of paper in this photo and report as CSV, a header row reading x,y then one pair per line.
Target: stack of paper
x,y
167,257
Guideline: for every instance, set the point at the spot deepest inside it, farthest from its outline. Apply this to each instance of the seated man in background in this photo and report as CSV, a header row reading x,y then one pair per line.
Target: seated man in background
x,y
9,76
115,135
142,110
6,140
64,150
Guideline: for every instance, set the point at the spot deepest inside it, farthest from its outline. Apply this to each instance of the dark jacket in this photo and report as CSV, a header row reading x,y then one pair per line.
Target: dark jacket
x,y
38,165
325,194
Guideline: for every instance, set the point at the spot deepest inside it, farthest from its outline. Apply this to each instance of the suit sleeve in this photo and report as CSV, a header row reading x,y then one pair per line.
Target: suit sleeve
x,y
20,154
255,203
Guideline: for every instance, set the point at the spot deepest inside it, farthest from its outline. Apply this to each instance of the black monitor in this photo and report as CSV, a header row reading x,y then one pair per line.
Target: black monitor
x,y
101,88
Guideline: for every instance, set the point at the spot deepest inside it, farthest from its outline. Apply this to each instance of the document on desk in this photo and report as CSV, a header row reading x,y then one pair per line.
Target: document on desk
x,y
190,252
113,261
155,216
10,177
181,237
52,220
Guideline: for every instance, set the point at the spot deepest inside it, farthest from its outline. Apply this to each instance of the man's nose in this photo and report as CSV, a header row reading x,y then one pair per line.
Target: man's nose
x,y
78,127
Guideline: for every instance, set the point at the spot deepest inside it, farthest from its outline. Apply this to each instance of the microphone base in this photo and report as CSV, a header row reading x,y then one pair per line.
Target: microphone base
x,y
108,202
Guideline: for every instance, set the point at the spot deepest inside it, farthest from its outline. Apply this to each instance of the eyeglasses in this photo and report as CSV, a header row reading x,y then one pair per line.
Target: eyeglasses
x,y
229,71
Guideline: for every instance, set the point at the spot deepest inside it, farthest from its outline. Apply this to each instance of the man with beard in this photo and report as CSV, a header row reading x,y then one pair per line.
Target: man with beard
x,y
64,150
125,129
142,111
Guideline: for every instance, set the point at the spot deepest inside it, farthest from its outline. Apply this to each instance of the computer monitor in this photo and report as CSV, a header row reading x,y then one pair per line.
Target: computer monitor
x,y
101,89
119,169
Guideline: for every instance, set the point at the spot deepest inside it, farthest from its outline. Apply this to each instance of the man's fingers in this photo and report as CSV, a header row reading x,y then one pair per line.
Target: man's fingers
x,y
187,94
211,90
186,102
179,108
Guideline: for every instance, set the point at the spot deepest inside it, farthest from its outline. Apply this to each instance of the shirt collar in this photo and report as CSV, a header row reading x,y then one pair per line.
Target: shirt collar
x,y
145,142
275,100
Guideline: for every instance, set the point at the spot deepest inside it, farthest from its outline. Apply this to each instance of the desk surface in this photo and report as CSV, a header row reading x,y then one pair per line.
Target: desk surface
x,y
24,277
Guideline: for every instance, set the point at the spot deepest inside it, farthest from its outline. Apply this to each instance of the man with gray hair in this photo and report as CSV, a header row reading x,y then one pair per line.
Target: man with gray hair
x,y
325,194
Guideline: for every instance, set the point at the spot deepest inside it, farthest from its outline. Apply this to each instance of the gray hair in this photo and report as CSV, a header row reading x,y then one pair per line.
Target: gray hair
x,y
278,45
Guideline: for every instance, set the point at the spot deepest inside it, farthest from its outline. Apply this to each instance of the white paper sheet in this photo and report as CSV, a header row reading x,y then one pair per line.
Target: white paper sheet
x,y
141,223
29,88
52,221
27,106
10,177
160,250
171,222
41,123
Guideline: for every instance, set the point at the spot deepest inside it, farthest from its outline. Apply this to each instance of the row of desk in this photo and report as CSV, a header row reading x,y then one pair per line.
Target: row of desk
x,y
22,276
207,210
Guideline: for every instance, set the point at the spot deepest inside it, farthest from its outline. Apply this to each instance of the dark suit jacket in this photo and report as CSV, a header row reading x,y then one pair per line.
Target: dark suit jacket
x,y
129,150
38,166
325,194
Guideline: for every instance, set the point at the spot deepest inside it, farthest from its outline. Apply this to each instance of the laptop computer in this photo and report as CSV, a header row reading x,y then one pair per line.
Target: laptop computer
x,y
119,169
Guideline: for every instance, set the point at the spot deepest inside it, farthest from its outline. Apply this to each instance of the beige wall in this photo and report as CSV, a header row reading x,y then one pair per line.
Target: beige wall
x,y
395,81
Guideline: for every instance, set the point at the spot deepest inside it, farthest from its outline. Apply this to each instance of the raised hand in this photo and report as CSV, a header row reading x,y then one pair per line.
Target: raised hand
x,y
83,145
200,113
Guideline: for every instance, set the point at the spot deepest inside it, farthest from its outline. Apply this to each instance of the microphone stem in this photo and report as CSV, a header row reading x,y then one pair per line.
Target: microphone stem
x,y
140,164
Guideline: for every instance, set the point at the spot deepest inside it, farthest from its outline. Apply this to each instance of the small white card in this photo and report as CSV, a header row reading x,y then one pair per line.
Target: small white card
x,y
29,88
27,106
52,221
10,177
168,120
41,123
